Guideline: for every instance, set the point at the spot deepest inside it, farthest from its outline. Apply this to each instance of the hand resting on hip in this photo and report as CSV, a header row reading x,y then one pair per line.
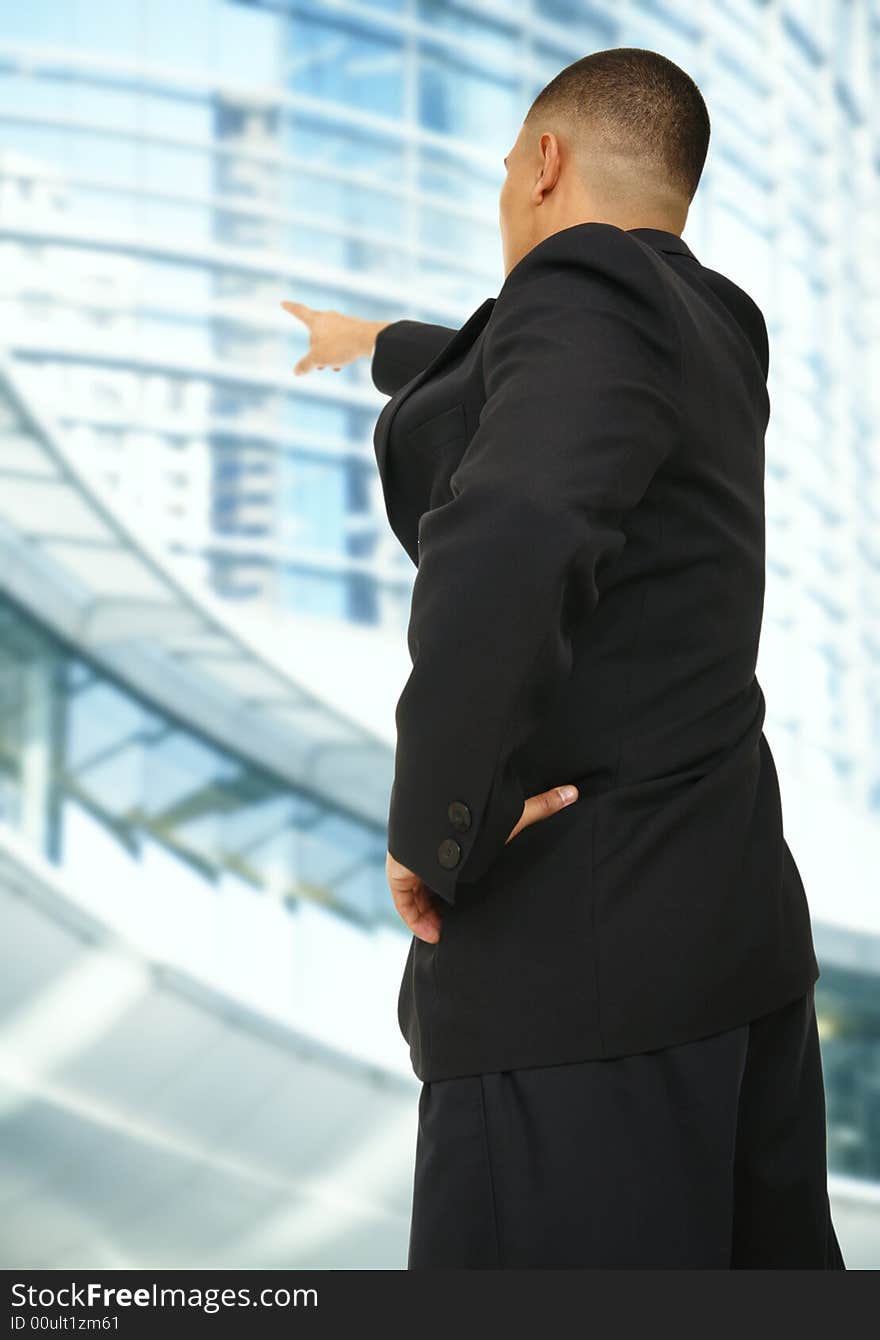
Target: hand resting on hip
x,y
420,908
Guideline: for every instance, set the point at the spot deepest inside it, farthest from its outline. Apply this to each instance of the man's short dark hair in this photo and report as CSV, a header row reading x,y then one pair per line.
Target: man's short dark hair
x,y
639,101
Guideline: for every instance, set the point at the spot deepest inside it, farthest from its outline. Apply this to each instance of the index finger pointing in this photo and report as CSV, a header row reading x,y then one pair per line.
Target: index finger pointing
x,y
299,309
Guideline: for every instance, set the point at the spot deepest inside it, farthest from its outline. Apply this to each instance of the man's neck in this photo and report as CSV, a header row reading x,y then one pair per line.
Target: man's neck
x,y
664,222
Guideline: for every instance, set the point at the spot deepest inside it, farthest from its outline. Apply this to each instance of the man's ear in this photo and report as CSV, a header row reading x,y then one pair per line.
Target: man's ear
x,y
548,175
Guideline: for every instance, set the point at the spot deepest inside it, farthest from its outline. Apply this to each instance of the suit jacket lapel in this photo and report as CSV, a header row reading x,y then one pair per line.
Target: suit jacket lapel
x,y
461,339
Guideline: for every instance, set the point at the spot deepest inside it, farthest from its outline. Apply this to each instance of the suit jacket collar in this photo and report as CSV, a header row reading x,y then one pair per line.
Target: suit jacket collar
x,y
662,240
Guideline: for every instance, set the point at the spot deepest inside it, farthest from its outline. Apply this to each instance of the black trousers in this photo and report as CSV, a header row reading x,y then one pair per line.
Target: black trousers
x,y
710,1154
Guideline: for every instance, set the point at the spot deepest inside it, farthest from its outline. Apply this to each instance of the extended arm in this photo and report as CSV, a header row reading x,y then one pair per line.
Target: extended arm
x,y
581,366
398,349
402,349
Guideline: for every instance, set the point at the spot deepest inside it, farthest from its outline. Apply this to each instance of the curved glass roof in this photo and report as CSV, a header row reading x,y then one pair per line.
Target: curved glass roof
x,y
72,561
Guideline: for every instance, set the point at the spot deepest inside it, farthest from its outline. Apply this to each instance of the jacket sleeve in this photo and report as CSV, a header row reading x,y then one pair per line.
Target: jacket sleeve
x,y
582,374
402,349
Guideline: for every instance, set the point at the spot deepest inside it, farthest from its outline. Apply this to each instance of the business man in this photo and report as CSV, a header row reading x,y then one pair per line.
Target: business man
x,y
609,1001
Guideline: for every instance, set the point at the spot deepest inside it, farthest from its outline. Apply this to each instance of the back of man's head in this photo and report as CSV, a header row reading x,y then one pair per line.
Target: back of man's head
x,y
636,123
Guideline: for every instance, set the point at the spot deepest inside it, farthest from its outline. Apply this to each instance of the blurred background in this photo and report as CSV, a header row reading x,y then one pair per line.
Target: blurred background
x,y
203,608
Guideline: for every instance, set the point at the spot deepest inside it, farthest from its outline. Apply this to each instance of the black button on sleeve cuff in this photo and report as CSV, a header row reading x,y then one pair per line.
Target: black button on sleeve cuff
x,y
459,815
449,853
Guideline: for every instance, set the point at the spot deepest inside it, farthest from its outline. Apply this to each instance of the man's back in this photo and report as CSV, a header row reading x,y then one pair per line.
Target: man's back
x,y
664,903
663,679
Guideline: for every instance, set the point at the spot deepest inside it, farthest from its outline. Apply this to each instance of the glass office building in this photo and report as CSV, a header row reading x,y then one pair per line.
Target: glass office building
x,y
169,172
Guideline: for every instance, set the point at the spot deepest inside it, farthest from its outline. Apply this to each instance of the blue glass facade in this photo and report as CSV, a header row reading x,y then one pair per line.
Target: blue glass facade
x,y
170,171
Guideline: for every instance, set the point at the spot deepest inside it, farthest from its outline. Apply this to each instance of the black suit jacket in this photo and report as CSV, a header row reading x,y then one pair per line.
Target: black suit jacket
x,y
578,474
